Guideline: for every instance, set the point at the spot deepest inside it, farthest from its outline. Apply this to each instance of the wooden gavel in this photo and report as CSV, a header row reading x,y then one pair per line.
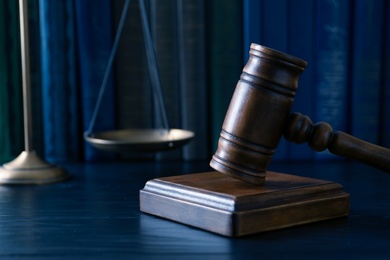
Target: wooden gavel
x,y
259,114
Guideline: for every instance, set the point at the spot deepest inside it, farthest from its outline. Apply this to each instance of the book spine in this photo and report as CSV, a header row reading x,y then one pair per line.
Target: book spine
x,y
366,69
252,25
225,58
59,89
35,76
94,34
131,75
385,94
301,17
192,80
332,52
274,34
163,20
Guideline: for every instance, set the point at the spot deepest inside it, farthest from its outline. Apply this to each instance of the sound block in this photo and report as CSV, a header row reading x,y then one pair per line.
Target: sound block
x,y
218,203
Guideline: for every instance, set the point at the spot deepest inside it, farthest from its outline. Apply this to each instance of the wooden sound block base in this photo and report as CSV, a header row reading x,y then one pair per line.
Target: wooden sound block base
x,y
215,202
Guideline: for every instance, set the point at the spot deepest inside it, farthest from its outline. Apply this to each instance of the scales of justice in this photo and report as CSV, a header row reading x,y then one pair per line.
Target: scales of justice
x,y
241,196
29,168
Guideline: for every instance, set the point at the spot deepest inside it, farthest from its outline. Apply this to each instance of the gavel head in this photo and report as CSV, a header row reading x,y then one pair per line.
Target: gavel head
x,y
257,114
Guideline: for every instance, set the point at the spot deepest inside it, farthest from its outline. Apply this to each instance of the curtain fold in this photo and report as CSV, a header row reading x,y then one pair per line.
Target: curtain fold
x,y
94,42
75,46
60,88
11,115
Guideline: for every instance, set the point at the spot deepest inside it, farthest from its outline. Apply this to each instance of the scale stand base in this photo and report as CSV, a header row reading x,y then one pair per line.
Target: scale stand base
x,y
218,203
28,168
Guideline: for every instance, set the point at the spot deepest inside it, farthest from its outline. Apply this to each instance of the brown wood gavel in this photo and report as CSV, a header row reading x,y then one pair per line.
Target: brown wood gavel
x,y
259,114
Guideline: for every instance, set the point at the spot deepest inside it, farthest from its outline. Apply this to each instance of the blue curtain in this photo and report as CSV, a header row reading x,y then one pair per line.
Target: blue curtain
x,y
75,46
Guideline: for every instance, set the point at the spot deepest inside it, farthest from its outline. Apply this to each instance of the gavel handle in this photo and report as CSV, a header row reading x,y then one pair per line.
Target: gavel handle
x,y
348,146
320,136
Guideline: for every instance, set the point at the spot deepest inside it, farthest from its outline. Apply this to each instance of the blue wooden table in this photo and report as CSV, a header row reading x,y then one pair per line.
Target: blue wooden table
x,y
96,215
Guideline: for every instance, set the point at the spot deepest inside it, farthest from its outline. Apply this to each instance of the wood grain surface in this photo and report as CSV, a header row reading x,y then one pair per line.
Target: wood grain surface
x,y
95,215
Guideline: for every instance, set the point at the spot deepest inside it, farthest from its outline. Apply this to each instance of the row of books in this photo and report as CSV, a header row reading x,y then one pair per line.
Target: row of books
x,y
201,48
345,43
